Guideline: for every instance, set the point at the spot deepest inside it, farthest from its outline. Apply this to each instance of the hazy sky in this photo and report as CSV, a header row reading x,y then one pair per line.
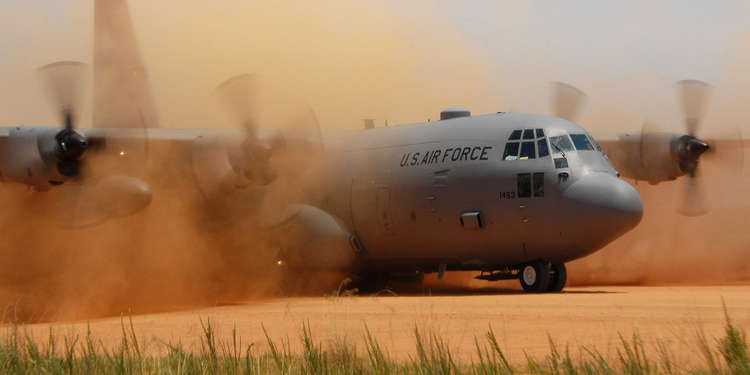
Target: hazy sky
x,y
626,52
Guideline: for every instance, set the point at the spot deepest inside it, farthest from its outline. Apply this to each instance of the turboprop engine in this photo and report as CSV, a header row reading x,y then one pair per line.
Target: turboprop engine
x,y
90,171
658,156
260,168
41,157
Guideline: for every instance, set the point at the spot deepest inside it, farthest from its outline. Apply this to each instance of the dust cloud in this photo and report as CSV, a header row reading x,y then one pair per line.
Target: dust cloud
x,y
346,61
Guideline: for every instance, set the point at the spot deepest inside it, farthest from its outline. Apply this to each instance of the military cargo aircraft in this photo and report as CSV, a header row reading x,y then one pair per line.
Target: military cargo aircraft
x,y
511,195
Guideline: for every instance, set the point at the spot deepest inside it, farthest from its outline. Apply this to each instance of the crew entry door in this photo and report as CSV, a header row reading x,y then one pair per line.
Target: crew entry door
x,y
530,191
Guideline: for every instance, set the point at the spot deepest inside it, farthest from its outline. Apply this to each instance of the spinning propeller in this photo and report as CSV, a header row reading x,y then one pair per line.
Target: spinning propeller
x,y
567,100
686,150
274,165
262,155
65,81
97,178
694,96
726,153
239,97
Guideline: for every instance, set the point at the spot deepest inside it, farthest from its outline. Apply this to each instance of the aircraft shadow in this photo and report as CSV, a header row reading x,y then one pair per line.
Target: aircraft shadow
x,y
456,292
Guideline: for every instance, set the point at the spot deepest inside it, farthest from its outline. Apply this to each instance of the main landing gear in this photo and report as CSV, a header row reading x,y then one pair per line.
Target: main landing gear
x,y
541,276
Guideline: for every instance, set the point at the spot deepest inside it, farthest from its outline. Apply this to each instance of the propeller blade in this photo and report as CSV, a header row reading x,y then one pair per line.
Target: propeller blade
x,y
694,196
304,129
76,209
727,152
239,96
66,81
694,96
567,100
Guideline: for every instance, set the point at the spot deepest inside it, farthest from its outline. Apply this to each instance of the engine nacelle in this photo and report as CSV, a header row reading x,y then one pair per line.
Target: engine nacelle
x,y
120,196
115,196
27,156
653,157
313,239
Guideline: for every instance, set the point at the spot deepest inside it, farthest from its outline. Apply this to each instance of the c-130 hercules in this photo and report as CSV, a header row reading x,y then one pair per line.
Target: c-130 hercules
x,y
508,194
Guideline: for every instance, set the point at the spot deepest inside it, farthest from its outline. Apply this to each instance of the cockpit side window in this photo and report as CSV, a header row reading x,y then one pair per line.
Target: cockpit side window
x,y
561,143
595,143
515,135
582,142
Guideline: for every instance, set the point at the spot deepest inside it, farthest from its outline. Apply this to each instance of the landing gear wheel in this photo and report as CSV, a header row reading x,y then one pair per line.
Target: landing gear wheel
x,y
558,277
535,277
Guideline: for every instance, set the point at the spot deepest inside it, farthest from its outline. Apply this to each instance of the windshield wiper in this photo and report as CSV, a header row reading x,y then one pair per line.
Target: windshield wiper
x,y
558,149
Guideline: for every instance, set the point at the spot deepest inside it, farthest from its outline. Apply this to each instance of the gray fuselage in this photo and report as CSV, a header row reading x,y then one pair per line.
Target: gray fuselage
x,y
445,192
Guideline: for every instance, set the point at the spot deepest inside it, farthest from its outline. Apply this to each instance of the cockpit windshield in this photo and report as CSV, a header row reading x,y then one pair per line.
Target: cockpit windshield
x,y
525,144
561,143
581,141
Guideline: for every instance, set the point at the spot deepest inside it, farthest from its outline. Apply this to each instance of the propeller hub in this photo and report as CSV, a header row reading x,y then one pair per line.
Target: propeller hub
x,y
689,150
71,145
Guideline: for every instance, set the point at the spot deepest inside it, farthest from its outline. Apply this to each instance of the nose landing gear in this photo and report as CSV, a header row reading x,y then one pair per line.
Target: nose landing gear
x,y
558,277
541,276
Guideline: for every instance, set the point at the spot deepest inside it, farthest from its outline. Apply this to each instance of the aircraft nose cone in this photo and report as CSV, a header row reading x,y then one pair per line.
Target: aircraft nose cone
x,y
605,207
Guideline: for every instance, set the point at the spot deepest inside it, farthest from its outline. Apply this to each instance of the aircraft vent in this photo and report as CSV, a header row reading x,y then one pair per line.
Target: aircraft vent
x,y
454,112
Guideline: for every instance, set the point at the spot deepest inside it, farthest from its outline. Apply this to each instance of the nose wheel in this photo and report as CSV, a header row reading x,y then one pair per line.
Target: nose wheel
x,y
558,277
541,276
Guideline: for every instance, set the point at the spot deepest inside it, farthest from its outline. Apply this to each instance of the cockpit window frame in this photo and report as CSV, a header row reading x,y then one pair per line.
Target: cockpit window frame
x,y
595,143
526,144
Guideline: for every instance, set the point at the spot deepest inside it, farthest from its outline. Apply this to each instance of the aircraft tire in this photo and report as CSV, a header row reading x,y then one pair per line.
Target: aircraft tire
x,y
535,277
558,277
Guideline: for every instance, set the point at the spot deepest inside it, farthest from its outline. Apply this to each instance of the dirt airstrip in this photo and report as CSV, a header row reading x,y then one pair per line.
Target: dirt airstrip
x,y
590,316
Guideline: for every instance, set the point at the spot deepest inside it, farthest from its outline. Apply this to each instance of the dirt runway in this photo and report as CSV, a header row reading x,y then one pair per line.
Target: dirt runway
x,y
590,316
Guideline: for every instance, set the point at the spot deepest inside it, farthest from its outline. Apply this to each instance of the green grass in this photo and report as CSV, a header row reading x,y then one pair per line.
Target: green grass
x,y
20,354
